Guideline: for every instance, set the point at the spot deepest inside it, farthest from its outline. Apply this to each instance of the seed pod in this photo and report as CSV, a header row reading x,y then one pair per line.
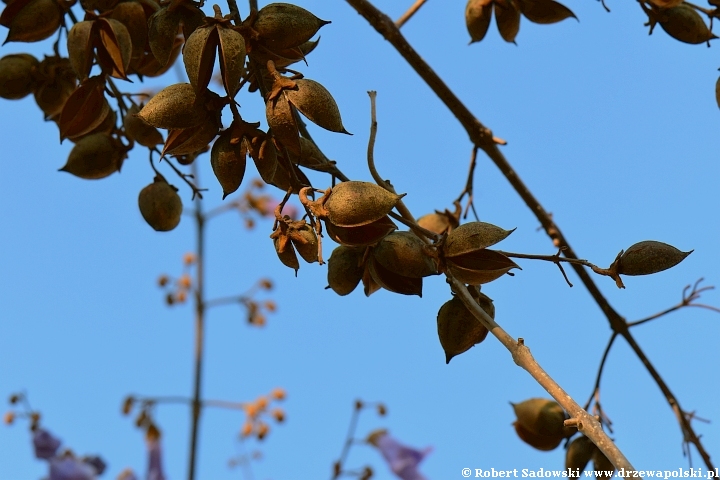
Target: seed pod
x,y
541,442
352,204
685,24
478,14
55,83
17,78
174,107
479,267
473,236
458,329
362,236
438,222
114,49
162,29
31,21
545,11
264,154
315,102
85,109
95,156
602,466
579,453
392,281
232,58
80,46
99,5
507,17
139,131
281,120
345,269
305,240
160,205
402,252
286,254
199,56
282,25
541,416
228,162
132,15
648,257
191,140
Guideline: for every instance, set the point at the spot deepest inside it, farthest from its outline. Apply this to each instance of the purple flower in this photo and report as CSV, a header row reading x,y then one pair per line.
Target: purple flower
x,y
45,444
70,468
155,471
403,461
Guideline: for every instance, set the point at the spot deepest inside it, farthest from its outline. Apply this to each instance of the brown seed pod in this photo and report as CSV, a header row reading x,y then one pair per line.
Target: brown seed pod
x,y
602,466
175,107
281,120
315,102
438,222
264,154
392,281
353,204
139,131
232,58
31,21
541,442
286,254
362,236
148,66
458,329
685,24
56,81
579,453
132,15
99,5
80,46
345,269
473,236
507,17
545,11
284,179
160,205
478,14
191,140
541,416
199,56
403,253
228,162
283,25
479,267
304,240
17,75
648,257
163,28
95,156
85,109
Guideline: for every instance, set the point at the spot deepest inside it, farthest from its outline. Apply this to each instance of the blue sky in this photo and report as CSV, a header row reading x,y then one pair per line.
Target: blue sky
x,y
616,133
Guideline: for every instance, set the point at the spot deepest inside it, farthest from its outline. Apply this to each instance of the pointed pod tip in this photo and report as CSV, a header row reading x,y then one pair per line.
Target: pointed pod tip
x,y
448,357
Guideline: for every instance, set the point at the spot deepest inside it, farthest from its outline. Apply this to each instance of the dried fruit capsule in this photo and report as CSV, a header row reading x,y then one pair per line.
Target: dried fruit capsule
x,y
458,329
402,253
579,453
473,236
283,25
16,75
345,269
648,257
353,204
160,205
95,156
541,416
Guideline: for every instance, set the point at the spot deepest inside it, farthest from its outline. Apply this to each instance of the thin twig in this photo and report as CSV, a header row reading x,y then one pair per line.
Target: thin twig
x,y
410,12
348,439
687,301
482,137
596,387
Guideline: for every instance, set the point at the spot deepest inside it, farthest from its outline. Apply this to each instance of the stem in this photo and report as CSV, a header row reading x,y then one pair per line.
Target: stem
x,y
199,330
586,423
601,368
482,137
348,439
410,12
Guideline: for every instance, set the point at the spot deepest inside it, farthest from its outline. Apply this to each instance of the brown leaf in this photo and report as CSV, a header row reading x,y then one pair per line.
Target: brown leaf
x,y
85,109
507,17
478,14
315,102
199,56
545,11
